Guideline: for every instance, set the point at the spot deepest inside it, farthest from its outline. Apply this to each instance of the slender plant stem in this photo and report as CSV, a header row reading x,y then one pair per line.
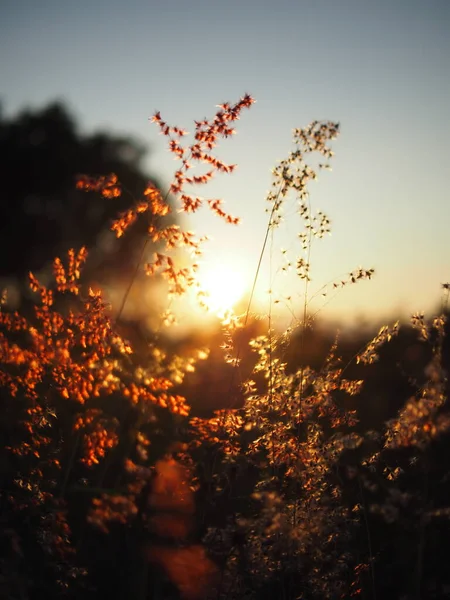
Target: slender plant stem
x,y
132,279
255,280
369,539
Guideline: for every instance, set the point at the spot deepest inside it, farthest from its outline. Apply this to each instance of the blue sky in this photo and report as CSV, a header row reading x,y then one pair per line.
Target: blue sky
x,y
380,68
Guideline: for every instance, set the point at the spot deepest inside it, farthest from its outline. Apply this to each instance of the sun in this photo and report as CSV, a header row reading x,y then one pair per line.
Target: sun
x,y
224,285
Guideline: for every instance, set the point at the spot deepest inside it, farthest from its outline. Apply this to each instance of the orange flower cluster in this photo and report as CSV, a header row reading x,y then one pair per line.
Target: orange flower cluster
x,y
215,206
179,278
99,435
142,393
71,355
107,186
223,430
175,237
66,278
152,203
206,136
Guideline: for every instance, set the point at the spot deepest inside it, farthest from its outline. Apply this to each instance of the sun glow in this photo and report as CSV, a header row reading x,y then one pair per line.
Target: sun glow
x,y
223,284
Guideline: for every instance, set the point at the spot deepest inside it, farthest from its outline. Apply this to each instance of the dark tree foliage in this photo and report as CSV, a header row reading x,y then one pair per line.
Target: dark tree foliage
x,y
43,215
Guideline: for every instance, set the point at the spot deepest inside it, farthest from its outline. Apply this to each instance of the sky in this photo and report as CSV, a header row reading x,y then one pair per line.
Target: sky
x,y
380,68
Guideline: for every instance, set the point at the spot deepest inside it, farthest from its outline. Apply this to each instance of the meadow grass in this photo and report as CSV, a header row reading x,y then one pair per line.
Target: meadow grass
x,y
280,495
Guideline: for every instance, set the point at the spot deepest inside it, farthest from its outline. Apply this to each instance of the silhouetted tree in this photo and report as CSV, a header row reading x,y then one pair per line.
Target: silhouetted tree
x,y
43,214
